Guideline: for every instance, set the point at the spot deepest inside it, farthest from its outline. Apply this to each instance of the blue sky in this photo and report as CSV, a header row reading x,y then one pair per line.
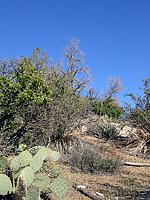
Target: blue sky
x,y
114,34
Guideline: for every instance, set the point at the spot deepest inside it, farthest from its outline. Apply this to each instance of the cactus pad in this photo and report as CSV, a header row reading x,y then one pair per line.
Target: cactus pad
x,y
3,164
25,158
5,185
60,187
54,171
15,164
54,156
33,193
44,152
27,176
36,163
41,181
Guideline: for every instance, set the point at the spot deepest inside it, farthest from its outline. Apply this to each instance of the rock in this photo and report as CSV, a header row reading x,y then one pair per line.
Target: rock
x,y
81,186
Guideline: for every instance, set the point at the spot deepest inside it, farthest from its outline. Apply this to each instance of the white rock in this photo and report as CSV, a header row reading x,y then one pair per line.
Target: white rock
x,y
81,186
83,129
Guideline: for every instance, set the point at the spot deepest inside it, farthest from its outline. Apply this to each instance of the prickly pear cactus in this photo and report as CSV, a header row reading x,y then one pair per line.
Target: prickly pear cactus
x,y
33,193
3,164
25,158
59,187
15,164
26,171
21,188
54,156
54,171
5,185
36,163
27,176
44,153
41,181
46,168
16,175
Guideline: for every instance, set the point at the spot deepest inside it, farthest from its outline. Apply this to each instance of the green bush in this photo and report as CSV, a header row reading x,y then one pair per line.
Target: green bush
x,y
22,88
140,113
39,102
107,107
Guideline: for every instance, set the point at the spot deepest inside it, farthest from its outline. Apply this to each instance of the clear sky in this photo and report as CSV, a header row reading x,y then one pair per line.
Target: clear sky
x,y
114,34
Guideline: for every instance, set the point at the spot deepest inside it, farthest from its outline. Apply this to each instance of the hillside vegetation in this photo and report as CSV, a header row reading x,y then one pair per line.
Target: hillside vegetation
x,y
52,106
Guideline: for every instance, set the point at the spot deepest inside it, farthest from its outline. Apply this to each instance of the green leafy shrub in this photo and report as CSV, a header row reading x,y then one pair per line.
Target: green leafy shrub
x,y
107,107
22,90
39,102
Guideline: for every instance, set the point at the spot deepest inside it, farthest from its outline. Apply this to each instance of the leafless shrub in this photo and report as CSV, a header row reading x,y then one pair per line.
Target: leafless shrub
x,y
87,160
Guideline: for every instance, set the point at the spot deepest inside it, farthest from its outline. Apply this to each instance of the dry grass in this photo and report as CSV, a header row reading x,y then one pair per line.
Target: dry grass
x,y
129,183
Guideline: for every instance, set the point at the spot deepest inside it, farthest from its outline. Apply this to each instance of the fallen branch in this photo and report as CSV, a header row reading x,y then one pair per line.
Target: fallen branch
x,y
85,193
136,164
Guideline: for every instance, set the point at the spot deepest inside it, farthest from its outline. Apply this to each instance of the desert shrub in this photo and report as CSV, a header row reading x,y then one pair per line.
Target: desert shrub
x,y
88,160
109,132
139,116
107,107
102,130
39,102
140,113
22,91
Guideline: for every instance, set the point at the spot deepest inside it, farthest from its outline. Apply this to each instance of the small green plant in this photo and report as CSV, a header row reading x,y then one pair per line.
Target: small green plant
x,y
103,130
26,180
109,131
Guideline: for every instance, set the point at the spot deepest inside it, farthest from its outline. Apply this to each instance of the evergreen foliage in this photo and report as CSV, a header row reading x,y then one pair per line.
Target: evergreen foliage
x,y
108,108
